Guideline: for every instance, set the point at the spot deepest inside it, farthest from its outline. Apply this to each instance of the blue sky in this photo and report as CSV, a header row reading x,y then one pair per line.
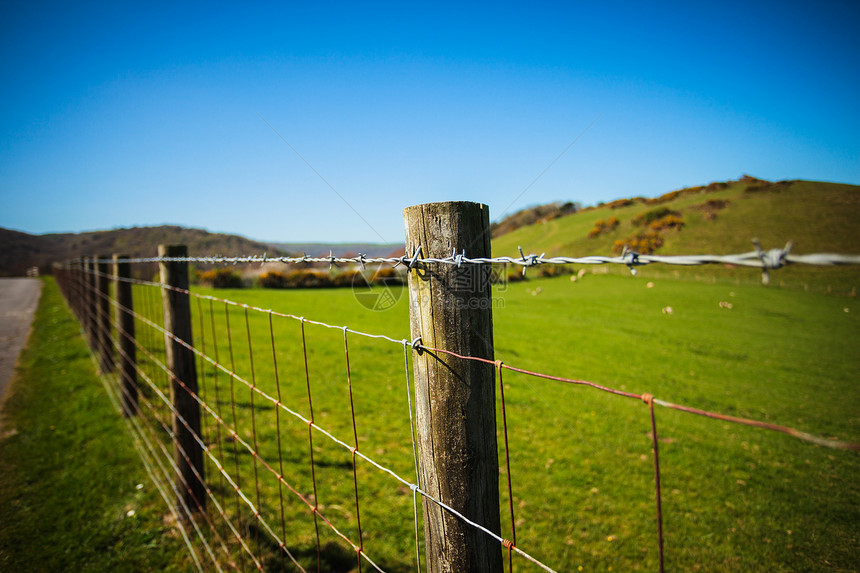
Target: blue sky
x,y
300,122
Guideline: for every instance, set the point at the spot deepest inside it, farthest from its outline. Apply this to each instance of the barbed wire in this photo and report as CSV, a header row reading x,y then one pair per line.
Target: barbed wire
x,y
758,258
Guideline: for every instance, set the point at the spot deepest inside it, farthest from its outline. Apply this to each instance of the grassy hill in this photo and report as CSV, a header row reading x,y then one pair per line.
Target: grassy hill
x,y
21,250
720,218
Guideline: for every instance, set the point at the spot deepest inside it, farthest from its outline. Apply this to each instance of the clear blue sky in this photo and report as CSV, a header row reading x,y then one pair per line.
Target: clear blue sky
x,y
115,116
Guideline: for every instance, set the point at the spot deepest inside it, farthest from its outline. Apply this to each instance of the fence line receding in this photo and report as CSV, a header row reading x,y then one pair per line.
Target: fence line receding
x,y
278,445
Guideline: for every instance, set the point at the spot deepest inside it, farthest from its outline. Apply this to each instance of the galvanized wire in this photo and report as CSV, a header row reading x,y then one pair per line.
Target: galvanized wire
x,y
770,259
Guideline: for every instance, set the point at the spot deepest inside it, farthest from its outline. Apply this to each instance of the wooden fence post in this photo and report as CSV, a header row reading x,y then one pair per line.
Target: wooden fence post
x,y
125,334
80,291
90,302
72,297
103,326
72,288
450,308
188,452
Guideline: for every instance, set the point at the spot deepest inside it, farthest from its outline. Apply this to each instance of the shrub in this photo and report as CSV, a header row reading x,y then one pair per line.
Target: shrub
x,y
667,222
619,203
309,278
221,278
601,226
348,279
714,204
767,186
716,186
648,217
272,279
644,243
665,198
711,206
312,278
388,276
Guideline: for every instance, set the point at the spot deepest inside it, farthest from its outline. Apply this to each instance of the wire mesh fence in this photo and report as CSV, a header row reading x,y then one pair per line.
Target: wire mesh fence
x,y
304,456
282,433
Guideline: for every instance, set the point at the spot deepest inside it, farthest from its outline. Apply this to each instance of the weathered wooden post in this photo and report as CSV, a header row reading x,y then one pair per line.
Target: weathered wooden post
x,y
80,291
90,302
451,309
125,334
103,326
71,287
188,452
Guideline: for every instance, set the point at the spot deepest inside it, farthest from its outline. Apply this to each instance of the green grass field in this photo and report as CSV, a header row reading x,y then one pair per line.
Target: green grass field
x,y
69,475
734,498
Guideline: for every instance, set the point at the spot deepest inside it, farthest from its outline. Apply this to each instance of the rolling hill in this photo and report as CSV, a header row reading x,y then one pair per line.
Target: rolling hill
x,y
720,218
21,251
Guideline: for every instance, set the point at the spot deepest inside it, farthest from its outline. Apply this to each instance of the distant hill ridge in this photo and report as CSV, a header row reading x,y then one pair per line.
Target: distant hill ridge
x,y
21,251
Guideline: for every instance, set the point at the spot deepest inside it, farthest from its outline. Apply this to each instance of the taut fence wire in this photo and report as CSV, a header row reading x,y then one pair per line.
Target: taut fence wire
x,y
766,260
770,259
277,471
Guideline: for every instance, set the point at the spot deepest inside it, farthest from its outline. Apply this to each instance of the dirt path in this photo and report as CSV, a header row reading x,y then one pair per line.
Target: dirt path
x,y
18,299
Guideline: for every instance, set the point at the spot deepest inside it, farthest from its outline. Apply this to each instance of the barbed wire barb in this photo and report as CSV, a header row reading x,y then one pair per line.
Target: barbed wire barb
x,y
758,258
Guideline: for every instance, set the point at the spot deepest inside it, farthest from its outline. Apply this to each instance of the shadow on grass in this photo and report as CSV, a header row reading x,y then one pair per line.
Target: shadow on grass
x,y
332,558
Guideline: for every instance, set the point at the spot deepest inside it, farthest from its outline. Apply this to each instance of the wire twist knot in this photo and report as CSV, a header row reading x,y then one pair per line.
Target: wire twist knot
x,y
631,259
774,258
416,345
458,258
530,260
409,262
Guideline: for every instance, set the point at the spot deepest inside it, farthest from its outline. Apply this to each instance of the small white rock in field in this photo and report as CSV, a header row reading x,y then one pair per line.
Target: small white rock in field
x,y
668,310
649,285
130,513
